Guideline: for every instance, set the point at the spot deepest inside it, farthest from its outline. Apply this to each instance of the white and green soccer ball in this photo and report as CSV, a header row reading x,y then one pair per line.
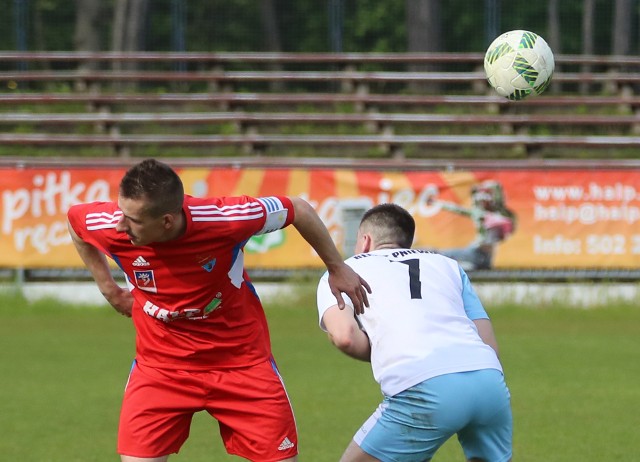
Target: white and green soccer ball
x,y
519,63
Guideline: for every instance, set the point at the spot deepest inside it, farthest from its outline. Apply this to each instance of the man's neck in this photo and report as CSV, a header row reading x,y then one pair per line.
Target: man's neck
x,y
388,245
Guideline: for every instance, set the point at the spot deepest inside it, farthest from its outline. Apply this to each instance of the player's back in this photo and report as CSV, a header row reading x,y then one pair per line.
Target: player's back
x,y
416,322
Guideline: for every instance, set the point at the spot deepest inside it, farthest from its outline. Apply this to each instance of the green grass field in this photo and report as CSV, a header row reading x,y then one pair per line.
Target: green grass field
x,y
573,376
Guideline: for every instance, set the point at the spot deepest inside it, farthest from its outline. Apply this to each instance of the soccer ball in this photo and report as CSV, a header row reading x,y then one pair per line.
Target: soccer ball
x,y
519,63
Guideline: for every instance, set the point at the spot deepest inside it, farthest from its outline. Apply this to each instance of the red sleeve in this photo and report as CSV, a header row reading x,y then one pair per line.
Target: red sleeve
x,y
99,216
291,214
278,211
77,219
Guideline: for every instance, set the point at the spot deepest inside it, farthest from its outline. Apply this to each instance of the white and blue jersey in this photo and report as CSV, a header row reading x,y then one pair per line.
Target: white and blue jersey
x,y
420,319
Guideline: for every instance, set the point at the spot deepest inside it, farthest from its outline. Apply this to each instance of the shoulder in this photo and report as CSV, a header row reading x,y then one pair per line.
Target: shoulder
x,y
223,209
93,219
371,263
220,201
95,213
88,207
442,263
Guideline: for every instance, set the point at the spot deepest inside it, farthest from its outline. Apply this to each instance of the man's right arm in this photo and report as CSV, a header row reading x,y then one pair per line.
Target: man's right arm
x,y
345,333
342,278
96,262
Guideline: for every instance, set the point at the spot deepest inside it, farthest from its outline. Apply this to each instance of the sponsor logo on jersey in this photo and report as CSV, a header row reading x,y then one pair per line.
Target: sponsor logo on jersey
x,y
214,304
193,314
165,315
140,261
145,280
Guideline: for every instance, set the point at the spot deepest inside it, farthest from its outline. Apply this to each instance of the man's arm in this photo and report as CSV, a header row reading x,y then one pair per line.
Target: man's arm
x,y
485,331
342,278
476,312
345,333
95,261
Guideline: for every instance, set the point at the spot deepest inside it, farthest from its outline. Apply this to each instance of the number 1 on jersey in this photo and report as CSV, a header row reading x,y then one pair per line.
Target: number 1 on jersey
x,y
415,285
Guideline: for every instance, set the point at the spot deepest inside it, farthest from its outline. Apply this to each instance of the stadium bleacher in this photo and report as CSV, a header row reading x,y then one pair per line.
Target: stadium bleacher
x,y
283,104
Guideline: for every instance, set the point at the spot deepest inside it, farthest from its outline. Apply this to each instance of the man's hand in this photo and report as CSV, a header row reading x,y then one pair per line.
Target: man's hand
x,y
343,279
121,299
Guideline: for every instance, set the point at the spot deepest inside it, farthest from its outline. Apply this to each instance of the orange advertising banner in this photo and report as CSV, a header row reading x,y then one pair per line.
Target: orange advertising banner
x,y
520,219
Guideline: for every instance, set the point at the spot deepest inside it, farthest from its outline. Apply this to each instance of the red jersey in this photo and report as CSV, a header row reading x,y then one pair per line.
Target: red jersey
x,y
195,307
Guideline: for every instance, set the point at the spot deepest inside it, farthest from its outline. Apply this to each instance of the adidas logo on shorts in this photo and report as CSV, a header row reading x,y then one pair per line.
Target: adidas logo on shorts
x,y
286,444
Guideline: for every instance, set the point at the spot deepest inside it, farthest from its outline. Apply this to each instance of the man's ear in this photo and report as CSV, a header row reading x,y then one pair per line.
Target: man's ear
x,y
367,242
168,220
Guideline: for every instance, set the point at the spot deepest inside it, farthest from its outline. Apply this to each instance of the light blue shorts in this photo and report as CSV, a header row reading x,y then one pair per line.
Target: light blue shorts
x,y
412,425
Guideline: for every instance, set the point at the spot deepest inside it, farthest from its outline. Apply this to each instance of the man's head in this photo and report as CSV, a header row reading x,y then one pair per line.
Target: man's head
x,y
150,197
385,226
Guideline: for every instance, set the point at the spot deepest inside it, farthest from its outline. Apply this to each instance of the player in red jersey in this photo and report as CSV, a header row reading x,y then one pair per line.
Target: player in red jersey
x,y
202,341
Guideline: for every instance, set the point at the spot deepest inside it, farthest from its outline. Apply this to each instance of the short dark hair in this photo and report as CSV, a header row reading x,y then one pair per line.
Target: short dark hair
x,y
155,182
390,223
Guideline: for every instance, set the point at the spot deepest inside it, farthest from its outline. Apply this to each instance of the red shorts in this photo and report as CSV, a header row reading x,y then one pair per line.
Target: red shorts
x,y
251,405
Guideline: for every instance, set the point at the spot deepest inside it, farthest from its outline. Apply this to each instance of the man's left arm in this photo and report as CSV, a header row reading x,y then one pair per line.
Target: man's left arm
x,y
342,278
476,312
486,333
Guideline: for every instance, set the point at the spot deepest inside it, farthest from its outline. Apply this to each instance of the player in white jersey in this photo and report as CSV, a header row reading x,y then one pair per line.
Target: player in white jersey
x,y
431,346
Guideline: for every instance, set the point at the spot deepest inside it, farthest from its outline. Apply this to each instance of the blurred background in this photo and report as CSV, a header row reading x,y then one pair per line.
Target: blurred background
x,y
345,103
570,26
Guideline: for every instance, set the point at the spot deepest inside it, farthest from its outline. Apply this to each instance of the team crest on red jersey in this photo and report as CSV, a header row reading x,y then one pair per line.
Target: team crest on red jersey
x,y
145,281
206,262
